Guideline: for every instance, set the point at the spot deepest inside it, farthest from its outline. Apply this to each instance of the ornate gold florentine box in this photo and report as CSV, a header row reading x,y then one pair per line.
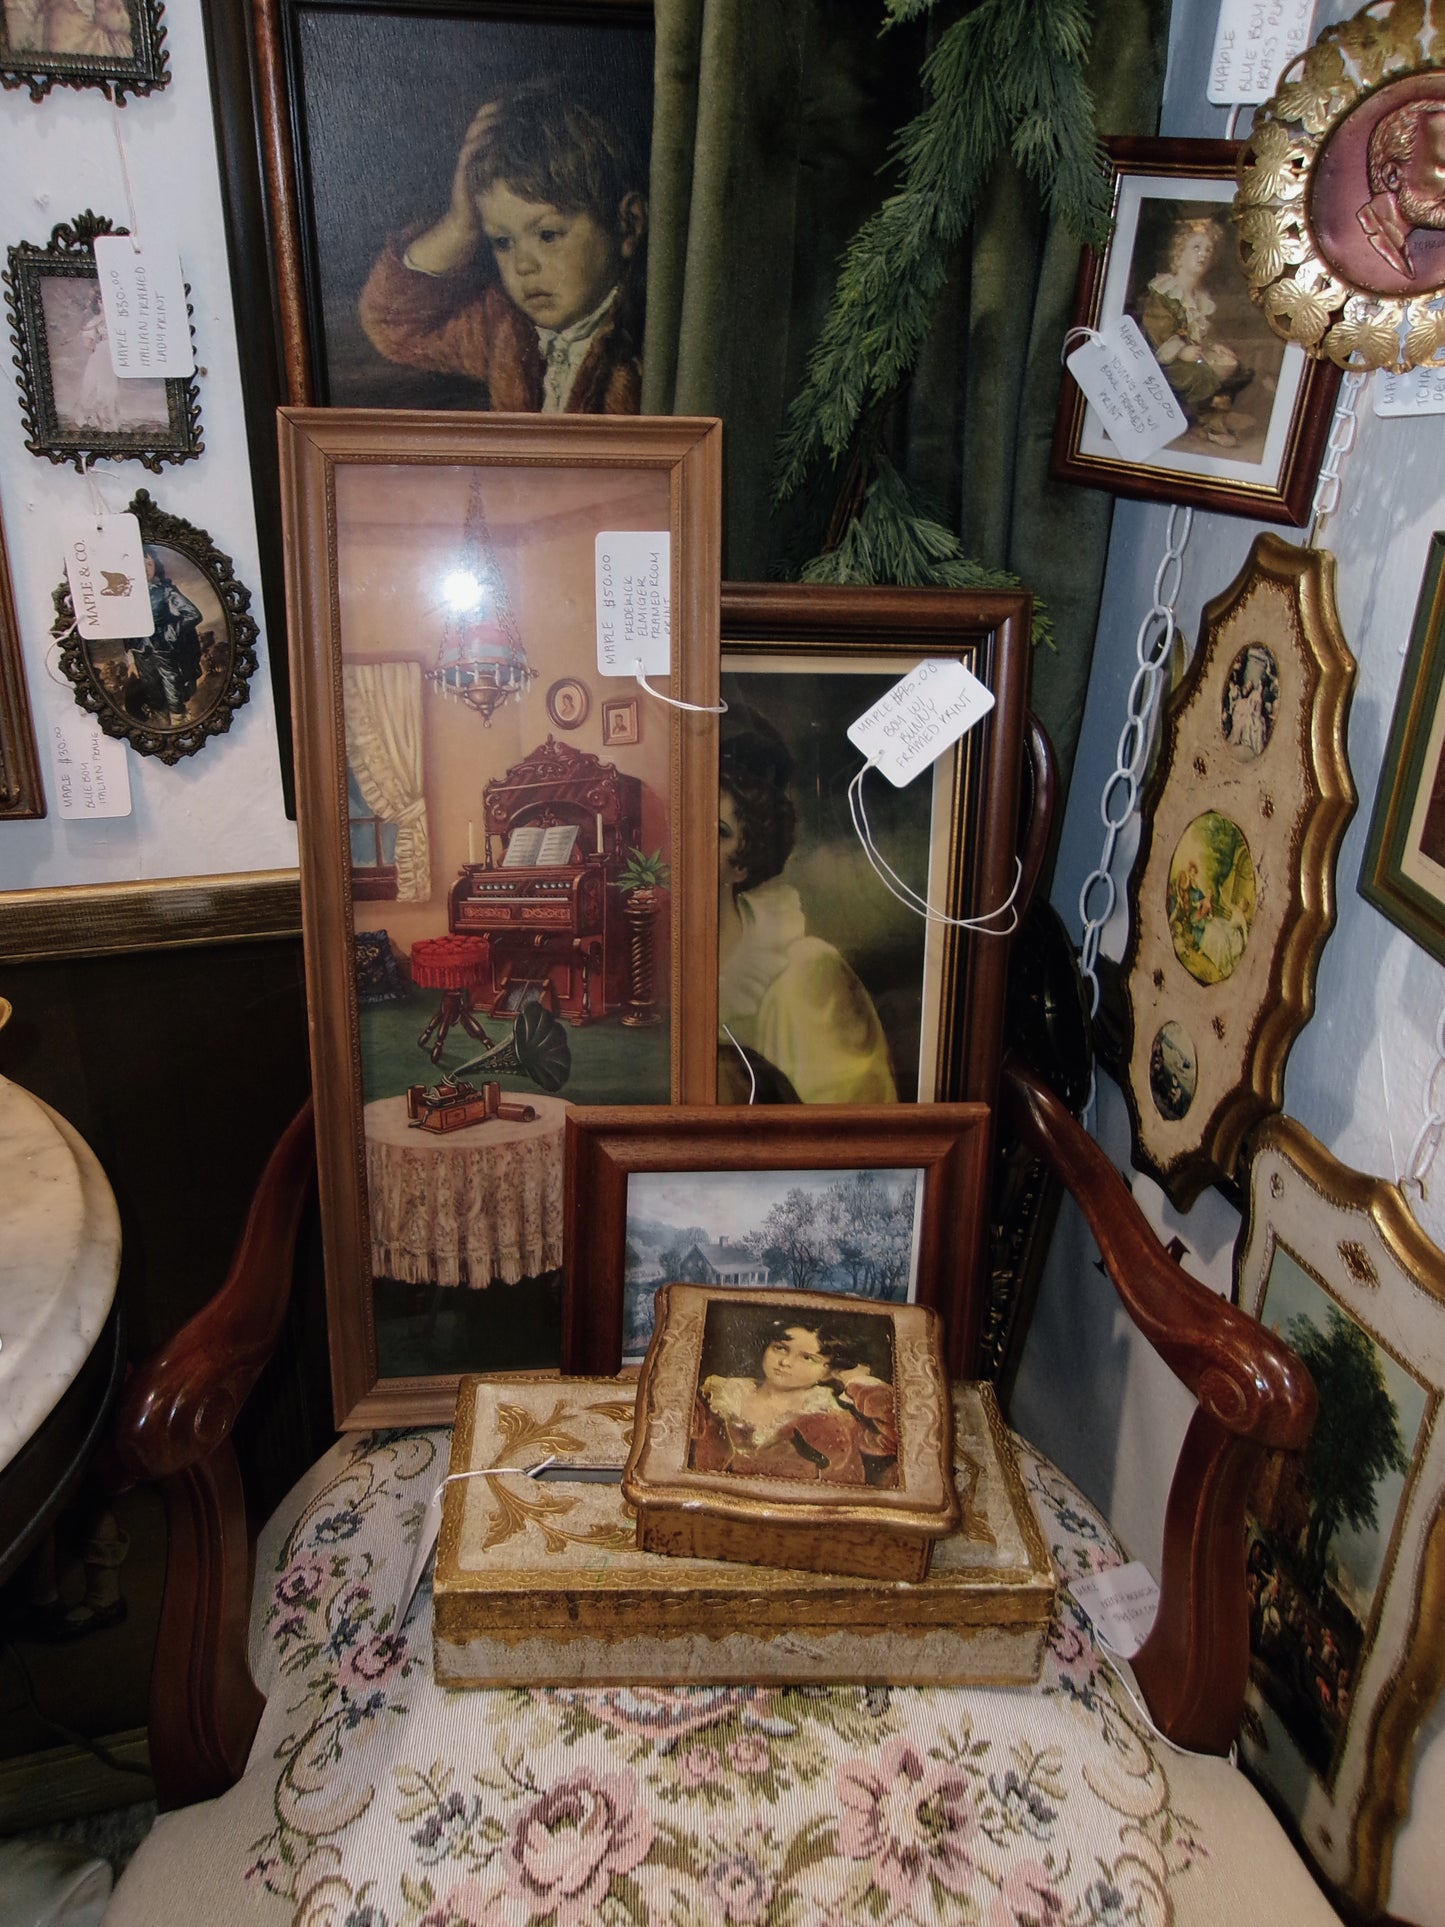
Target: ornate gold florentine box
x,y
540,1582
793,1428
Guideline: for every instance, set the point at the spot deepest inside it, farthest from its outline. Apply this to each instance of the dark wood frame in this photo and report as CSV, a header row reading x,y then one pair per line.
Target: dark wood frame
x,y
991,633
605,1146
147,70
178,1411
1286,501
21,792
70,254
314,444
1404,772
169,745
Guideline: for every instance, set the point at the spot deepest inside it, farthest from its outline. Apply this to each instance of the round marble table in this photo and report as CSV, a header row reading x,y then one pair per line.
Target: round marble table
x,y
60,1351
469,1207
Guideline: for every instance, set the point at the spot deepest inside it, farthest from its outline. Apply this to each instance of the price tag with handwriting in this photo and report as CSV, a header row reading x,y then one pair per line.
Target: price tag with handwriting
x,y
1127,388
92,780
920,717
1254,41
1421,392
634,602
143,295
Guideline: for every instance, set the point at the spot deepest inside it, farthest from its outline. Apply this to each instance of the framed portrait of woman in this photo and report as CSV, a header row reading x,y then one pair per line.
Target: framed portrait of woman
x,y
497,911
832,988
1256,409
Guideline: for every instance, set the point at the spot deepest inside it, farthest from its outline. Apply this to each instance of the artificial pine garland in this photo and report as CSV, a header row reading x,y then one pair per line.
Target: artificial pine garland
x,y
1007,76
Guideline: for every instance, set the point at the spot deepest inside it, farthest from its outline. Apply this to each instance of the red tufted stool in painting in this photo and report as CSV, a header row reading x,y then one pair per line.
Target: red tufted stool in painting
x,y
454,966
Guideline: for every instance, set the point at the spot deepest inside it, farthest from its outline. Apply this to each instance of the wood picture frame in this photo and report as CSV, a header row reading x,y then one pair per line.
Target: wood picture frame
x,y
1258,409
120,47
1231,896
1403,871
955,837
381,509
1346,1558
169,693
942,1150
21,790
74,407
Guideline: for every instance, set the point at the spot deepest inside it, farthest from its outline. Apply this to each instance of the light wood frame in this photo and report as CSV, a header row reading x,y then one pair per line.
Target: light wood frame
x,y
606,1146
316,444
1322,1238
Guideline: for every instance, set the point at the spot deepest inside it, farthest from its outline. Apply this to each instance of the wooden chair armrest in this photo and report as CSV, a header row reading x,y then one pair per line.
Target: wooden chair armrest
x,y
178,1406
1253,1393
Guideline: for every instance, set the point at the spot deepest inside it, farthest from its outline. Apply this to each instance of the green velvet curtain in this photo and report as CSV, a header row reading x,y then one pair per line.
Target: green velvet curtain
x,y
773,120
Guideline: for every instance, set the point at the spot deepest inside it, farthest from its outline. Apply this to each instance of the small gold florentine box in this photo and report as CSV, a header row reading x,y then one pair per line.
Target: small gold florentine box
x,y
539,1582
793,1429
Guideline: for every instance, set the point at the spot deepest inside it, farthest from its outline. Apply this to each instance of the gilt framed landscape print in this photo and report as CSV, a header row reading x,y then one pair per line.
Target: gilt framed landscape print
x,y
884,1204
1257,410
497,909
1403,873
1346,1550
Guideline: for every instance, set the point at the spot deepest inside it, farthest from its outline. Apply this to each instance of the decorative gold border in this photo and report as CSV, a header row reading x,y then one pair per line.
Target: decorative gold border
x,y
1390,1726
1304,299
104,919
1209,1147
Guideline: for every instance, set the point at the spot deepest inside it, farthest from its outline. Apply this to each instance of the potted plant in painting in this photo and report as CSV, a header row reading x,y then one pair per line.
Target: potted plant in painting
x,y
643,882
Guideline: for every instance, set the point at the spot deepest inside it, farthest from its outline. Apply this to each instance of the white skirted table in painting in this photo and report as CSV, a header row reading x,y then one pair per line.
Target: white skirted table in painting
x,y
468,1207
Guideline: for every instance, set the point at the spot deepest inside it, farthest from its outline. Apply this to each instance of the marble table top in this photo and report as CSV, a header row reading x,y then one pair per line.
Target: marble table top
x,y
59,1257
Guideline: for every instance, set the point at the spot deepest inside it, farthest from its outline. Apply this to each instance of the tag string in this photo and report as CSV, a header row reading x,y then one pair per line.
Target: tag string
x,y
674,702
1123,1672
97,500
510,1472
125,176
1077,334
747,1064
906,894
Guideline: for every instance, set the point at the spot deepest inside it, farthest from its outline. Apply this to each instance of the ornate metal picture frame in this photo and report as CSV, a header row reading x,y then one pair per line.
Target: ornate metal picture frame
x,y
118,46
1257,412
75,408
535,941
21,793
169,693
1339,210
1346,1558
884,1202
1403,872
1232,892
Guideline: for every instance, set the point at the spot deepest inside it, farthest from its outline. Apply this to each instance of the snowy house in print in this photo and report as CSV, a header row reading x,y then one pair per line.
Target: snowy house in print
x,y
721,1265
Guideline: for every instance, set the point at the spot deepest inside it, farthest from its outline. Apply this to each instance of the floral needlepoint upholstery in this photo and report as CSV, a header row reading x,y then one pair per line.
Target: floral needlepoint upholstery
x,y
373,1798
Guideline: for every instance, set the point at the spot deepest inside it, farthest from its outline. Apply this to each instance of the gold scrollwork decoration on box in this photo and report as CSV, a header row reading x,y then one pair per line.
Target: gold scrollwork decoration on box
x,y
1340,209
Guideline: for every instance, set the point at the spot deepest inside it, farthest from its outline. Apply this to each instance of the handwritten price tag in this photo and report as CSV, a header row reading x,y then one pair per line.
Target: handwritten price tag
x,y
1421,392
91,777
143,295
1126,387
1254,42
920,717
634,602
1122,1602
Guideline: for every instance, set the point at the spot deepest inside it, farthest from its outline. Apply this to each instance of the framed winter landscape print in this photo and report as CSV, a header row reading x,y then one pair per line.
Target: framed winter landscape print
x,y
830,988
1403,873
1257,409
880,1203
497,909
1346,1549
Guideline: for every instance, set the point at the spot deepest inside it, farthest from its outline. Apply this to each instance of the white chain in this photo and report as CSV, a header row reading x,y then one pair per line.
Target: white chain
x,y
1343,429
1427,1138
1121,791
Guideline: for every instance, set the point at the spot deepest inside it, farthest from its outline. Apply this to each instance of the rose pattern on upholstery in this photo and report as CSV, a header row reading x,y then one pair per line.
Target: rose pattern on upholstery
x,y
399,1804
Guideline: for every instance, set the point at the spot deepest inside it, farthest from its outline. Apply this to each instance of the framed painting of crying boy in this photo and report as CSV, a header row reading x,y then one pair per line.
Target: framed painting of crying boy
x,y
458,202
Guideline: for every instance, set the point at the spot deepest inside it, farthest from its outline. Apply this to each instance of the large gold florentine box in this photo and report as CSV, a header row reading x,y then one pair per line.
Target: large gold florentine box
x,y
793,1428
542,1583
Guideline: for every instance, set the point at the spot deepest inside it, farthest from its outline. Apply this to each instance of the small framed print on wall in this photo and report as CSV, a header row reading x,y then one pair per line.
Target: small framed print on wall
x,y
1403,873
1346,1545
118,46
496,915
1258,409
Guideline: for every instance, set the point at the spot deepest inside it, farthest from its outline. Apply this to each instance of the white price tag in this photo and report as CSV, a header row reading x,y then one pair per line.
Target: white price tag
x,y
1254,42
105,566
1125,385
1122,1603
143,295
920,717
634,602
1421,392
91,777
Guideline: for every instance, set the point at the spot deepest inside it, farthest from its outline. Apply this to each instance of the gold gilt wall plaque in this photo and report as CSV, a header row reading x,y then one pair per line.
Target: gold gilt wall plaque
x,y
1232,895
1341,204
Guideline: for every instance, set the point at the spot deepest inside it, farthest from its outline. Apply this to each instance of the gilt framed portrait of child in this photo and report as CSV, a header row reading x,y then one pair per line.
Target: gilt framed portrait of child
x,y
1256,409
461,218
